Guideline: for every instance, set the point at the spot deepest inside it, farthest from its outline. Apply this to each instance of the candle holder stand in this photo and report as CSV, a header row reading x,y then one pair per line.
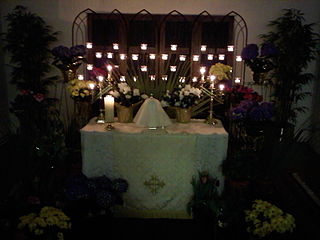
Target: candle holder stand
x,y
109,127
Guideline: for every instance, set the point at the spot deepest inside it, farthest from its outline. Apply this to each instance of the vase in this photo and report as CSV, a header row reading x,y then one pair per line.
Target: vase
x,y
82,113
124,113
183,115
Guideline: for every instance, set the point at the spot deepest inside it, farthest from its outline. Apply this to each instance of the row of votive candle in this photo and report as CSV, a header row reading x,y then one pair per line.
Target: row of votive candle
x,y
173,47
165,56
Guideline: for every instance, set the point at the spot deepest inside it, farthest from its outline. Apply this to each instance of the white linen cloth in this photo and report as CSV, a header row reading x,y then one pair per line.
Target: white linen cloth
x,y
173,156
152,115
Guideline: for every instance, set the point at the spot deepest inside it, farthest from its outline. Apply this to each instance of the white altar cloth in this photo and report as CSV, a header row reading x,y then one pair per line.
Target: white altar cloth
x,y
158,164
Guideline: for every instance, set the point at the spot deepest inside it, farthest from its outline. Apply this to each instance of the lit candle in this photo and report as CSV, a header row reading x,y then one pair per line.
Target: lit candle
x,y
221,87
98,54
210,57
152,56
100,78
109,55
182,58
238,58
164,57
144,46
182,79
91,86
195,58
202,70
135,79
237,80
89,45
123,56
174,47
135,57
212,78
173,68
230,48
109,108
203,48
221,57
194,79
152,77
144,68
115,46
80,77
109,68
164,77
89,67
122,78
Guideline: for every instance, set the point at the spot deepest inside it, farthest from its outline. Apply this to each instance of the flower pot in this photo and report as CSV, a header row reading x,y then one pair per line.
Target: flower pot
x,y
183,115
82,113
124,113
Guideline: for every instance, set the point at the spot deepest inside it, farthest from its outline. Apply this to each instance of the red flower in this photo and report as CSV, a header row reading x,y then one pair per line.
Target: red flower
x,y
39,97
24,92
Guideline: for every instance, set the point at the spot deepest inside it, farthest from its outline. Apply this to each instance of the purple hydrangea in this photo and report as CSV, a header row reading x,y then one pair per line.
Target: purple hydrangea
x,y
78,50
251,51
61,52
268,49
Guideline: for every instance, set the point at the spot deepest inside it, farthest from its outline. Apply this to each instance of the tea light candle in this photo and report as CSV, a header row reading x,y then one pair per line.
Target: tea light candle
x,y
144,46
203,48
152,56
109,55
173,47
80,77
109,108
115,46
210,56
238,58
221,57
98,54
237,80
89,67
89,45
182,58
123,56
230,48
164,56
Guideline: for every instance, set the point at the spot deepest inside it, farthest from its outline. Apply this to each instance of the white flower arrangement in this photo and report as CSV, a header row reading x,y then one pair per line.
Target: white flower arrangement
x,y
183,96
126,96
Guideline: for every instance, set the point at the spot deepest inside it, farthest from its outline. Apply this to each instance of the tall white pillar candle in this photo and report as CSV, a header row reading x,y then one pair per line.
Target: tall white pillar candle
x,y
109,109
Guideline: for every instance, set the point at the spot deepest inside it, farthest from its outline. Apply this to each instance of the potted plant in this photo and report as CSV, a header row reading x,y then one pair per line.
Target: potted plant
x,y
296,43
241,169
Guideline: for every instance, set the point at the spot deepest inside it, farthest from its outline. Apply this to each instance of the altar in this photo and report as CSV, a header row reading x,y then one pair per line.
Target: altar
x,y
158,164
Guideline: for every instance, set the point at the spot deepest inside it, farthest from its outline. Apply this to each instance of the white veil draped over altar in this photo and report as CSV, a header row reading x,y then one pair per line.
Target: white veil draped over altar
x,y
152,115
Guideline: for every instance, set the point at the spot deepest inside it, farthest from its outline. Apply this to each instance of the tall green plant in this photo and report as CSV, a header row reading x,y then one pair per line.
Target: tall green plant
x,y
296,42
28,39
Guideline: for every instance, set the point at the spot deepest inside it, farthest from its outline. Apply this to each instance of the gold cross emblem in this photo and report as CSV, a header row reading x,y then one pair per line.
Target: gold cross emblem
x,y
154,184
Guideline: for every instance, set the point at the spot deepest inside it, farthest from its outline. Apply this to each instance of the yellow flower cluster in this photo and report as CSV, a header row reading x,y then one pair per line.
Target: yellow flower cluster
x,y
48,218
265,218
221,71
79,88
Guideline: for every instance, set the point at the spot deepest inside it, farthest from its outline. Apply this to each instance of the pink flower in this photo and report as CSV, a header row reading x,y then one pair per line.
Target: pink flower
x,y
39,97
24,92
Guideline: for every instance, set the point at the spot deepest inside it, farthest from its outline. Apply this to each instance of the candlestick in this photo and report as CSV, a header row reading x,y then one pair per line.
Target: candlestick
x,y
109,109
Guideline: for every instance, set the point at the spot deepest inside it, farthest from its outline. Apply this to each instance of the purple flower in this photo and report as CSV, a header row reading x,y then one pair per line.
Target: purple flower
x,y
78,50
251,51
268,49
61,52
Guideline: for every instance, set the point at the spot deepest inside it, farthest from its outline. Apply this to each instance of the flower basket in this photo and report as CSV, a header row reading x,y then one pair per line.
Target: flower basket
x,y
124,113
183,115
82,113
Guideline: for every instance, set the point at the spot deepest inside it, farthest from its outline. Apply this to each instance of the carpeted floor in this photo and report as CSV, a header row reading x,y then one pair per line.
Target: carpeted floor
x,y
286,192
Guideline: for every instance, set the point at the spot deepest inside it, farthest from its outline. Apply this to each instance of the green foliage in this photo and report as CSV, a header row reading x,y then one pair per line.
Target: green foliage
x,y
28,39
297,44
205,198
